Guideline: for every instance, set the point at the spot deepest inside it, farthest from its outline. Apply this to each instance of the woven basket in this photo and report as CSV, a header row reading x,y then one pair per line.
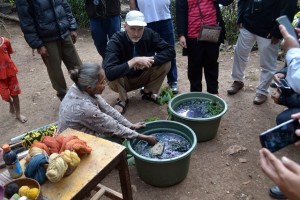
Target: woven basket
x,y
29,182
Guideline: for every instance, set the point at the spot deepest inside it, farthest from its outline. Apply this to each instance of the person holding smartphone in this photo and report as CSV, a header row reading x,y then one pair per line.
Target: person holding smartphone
x,y
291,73
271,166
283,172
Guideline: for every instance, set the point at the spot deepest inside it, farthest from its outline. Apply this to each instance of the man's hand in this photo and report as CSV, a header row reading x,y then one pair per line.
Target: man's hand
x,y
73,35
278,76
140,63
275,95
289,41
43,51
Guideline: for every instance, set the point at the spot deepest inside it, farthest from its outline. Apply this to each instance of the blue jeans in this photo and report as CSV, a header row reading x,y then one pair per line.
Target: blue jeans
x,y
286,115
165,29
102,30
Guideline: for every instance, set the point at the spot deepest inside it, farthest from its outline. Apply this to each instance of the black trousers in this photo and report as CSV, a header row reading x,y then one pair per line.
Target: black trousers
x,y
203,56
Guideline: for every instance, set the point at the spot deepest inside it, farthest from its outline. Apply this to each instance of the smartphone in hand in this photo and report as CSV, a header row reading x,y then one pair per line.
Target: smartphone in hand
x,y
280,136
284,20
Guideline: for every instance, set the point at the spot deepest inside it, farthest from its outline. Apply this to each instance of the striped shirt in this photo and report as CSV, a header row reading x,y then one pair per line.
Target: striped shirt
x,y
209,15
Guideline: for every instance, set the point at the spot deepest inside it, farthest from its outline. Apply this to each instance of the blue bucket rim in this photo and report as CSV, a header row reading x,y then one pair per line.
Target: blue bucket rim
x,y
198,119
162,161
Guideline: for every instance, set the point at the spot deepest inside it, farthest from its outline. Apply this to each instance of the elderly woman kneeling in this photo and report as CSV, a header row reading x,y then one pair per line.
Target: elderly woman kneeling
x,y
84,109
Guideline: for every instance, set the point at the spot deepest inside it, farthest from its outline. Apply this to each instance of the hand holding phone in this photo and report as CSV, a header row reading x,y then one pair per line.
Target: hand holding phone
x,y
284,20
280,136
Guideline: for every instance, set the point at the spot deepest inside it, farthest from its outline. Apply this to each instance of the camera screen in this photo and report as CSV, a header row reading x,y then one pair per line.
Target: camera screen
x,y
280,136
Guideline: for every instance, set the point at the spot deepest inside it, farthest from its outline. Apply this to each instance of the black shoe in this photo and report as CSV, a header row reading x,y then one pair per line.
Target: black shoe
x,y
235,87
276,193
174,87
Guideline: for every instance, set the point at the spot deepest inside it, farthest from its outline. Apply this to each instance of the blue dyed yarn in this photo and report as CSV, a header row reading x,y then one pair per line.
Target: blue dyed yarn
x,y
35,168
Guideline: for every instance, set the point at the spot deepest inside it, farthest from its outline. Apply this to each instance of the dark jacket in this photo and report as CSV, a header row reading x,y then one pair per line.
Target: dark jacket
x,y
289,99
45,21
182,17
259,17
120,50
104,9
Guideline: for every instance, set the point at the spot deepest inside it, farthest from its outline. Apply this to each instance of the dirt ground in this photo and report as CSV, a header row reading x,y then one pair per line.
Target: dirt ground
x,y
212,174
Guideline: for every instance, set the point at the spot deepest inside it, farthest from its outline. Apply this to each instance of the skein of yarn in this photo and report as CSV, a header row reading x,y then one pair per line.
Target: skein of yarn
x,y
71,158
33,151
35,168
57,168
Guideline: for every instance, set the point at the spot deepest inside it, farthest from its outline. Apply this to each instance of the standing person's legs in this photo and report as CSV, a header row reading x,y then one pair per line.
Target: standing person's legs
x,y
53,64
195,64
211,67
166,30
245,42
99,35
114,25
102,30
9,91
70,56
268,62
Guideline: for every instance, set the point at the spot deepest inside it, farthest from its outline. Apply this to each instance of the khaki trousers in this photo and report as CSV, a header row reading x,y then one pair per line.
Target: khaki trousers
x,y
151,79
60,50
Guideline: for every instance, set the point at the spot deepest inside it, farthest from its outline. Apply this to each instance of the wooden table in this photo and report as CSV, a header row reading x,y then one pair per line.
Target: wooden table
x,y
104,157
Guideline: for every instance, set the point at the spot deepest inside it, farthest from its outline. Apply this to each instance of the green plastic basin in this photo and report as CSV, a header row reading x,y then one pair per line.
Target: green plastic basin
x,y
164,172
205,128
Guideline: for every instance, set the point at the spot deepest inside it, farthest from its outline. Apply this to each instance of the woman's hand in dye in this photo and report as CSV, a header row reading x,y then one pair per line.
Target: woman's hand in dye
x,y
138,125
149,138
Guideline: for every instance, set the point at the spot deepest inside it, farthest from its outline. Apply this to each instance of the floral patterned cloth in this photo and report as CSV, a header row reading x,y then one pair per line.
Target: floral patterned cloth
x,y
95,116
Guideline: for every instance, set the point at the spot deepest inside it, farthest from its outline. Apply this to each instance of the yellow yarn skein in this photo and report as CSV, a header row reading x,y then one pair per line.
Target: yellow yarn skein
x,y
71,158
32,193
23,190
57,168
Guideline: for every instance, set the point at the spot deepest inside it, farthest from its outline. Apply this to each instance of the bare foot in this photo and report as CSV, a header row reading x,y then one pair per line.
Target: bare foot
x,y
22,118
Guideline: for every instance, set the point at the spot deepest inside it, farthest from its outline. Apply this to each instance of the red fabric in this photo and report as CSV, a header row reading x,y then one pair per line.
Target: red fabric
x,y
7,66
9,87
209,15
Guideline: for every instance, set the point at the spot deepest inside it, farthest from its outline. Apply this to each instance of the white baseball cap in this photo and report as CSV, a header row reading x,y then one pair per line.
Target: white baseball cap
x,y
135,18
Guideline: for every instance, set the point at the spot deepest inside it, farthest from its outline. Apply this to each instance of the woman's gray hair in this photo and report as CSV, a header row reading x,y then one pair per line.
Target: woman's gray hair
x,y
86,76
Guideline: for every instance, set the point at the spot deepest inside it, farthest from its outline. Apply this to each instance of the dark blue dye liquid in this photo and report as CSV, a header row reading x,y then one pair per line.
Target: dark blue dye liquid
x,y
174,146
198,108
